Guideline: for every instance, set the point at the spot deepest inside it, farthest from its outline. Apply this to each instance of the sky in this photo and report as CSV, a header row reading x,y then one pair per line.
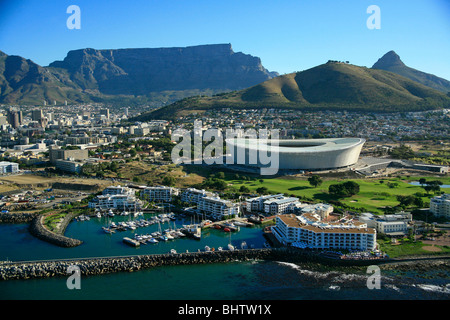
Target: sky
x,y
288,35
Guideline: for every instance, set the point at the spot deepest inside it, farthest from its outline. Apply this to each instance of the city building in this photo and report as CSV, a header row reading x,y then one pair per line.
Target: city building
x,y
193,196
322,209
308,231
56,153
280,205
257,204
218,208
440,205
124,202
393,225
118,190
69,165
159,193
8,167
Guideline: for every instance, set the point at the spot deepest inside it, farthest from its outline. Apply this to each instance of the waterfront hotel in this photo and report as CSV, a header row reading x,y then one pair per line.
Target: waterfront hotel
x,y
308,231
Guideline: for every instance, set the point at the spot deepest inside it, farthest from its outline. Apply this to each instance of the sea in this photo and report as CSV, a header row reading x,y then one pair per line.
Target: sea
x,y
236,281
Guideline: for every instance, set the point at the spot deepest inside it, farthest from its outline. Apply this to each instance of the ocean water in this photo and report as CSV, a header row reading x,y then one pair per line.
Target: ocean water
x,y
257,280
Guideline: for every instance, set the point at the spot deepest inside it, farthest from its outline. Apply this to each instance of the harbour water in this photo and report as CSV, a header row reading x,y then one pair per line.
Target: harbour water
x,y
258,280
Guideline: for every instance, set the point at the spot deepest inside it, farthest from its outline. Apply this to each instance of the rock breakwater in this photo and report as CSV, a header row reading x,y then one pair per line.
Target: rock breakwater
x,y
38,229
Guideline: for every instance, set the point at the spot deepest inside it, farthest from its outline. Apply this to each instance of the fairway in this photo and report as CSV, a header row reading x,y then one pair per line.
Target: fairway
x,y
373,195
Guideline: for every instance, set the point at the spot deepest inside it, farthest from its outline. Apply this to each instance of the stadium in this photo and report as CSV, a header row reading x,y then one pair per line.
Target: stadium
x,y
297,154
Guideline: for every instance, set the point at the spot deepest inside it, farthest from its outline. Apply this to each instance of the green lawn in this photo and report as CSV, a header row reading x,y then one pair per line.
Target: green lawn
x,y
407,247
373,194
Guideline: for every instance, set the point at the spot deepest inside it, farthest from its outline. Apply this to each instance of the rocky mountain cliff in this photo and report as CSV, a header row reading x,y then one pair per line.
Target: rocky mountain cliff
x,y
154,73
141,71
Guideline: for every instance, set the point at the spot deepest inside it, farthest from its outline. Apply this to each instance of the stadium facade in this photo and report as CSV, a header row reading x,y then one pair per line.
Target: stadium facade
x,y
296,154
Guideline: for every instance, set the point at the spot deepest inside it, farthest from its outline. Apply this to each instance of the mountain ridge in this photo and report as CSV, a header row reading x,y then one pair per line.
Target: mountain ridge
x,y
391,62
332,86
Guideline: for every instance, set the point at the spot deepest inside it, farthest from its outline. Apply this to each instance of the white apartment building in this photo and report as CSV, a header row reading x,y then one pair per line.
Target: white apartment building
x,y
218,208
309,231
192,195
116,190
159,193
280,206
322,209
257,204
440,206
391,224
117,201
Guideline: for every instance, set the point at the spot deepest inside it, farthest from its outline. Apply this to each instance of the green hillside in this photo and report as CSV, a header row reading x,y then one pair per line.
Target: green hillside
x,y
332,86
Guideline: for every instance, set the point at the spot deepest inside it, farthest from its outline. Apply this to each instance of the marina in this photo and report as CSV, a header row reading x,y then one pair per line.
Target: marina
x,y
158,233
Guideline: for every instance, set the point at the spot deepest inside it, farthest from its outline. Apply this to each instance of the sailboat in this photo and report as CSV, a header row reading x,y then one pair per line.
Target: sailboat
x,y
230,246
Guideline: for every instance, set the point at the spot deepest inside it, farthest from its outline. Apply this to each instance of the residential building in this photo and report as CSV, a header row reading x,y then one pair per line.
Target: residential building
x,y
159,193
440,206
217,208
118,190
193,196
280,205
309,231
117,201
257,204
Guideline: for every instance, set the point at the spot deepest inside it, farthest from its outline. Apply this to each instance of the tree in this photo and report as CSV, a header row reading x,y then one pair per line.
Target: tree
x,y
168,181
346,189
315,181
244,189
262,190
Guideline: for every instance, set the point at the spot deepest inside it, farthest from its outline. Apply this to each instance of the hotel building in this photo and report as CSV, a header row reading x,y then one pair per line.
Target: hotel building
x,y
308,231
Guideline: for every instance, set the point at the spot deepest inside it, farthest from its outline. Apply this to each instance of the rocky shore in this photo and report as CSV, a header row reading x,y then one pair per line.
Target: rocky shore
x,y
17,217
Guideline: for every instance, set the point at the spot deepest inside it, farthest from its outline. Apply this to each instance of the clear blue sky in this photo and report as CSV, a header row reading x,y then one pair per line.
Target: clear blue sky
x,y
288,35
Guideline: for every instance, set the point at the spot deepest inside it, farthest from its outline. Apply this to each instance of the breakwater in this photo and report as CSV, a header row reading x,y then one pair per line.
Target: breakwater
x,y
98,266
17,217
38,229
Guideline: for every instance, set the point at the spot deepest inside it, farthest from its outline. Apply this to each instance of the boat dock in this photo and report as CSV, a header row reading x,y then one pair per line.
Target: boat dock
x,y
131,242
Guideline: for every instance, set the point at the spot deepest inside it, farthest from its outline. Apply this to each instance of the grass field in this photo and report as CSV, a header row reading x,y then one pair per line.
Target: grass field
x,y
373,195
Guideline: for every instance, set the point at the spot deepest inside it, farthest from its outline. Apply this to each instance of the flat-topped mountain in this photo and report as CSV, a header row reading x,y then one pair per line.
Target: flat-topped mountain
x,y
157,74
141,71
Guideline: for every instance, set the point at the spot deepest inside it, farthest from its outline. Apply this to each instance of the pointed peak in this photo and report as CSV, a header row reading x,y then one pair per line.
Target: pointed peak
x,y
389,59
